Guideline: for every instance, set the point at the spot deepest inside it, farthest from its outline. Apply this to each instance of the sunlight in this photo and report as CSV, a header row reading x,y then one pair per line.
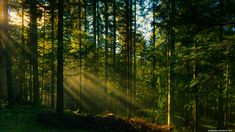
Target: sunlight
x,y
93,96
101,64
15,19
1,11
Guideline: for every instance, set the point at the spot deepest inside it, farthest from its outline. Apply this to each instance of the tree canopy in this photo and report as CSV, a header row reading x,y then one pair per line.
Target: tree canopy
x,y
169,62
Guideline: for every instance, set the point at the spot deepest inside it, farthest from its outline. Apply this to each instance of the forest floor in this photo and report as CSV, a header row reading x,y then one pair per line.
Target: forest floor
x,y
23,119
104,123
28,119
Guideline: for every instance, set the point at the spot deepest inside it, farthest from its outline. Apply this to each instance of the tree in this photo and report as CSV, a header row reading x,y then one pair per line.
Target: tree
x,y
5,36
128,50
220,124
34,50
153,63
80,50
171,60
134,51
114,39
52,11
60,60
162,53
106,45
95,28
22,58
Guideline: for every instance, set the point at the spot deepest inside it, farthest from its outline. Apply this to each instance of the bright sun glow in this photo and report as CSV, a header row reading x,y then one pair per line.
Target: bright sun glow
x,y
15,19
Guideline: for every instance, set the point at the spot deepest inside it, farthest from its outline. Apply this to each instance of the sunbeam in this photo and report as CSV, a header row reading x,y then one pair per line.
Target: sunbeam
x,y
93,98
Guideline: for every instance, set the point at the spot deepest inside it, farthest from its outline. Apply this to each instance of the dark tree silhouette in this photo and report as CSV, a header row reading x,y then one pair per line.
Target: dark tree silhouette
x,y
60,59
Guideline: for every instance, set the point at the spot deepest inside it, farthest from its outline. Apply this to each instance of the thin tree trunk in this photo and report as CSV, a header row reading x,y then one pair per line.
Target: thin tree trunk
x,y
171,64
52,55
85,47
106,46
1,48
114,38
114,49
94,33
196,126
24,63
30,82
43,59
130,56
60,60
220,114
227,81
22,58
98,43
134,53
80,49
153,66
127,56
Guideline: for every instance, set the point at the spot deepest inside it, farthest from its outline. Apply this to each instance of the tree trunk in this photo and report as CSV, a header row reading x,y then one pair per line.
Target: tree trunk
x,y
227,81
114,37
22,58
153,66
8,57
60,60
128,50
34,51
171,64
94,34
220,114
80,53
134,54
30,82
43,60
52,55
106,46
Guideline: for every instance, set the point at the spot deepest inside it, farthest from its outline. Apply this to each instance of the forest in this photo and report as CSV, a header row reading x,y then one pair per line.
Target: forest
x,y
117,65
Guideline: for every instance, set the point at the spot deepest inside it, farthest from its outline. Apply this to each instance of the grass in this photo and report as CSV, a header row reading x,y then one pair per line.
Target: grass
x,y
23,119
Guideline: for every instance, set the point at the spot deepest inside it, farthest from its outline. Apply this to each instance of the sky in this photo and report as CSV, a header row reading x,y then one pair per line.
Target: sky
x,y
143,19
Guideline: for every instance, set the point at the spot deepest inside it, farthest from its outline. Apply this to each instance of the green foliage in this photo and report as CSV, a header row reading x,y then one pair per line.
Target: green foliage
x,y
204,53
